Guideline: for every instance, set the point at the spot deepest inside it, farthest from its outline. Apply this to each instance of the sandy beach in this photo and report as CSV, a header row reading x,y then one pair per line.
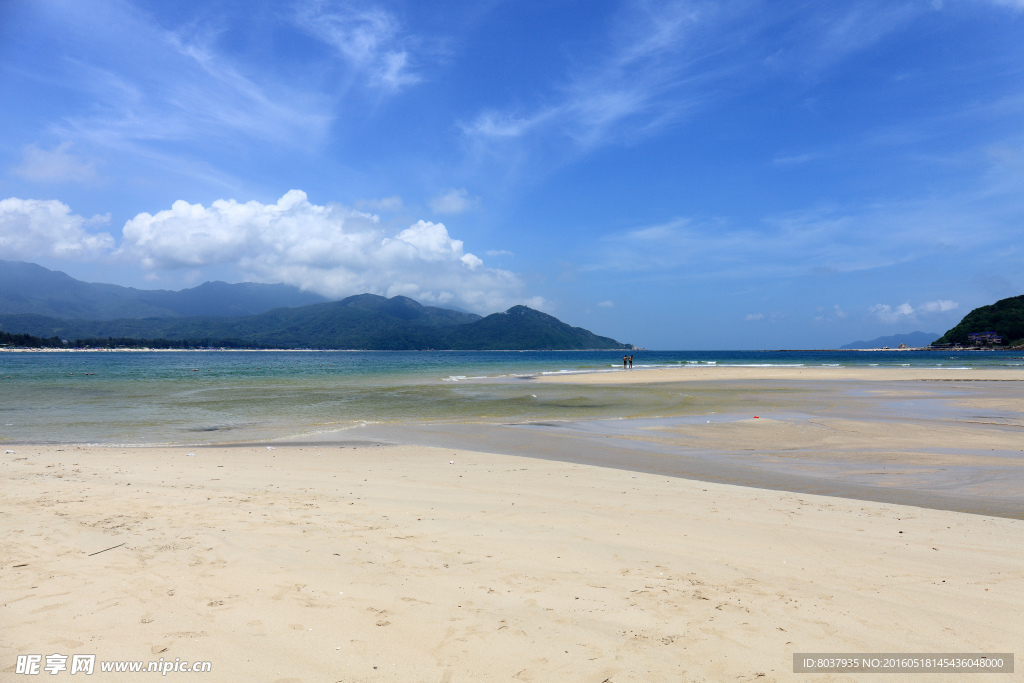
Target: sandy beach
x,y
691,373
389,563
358,559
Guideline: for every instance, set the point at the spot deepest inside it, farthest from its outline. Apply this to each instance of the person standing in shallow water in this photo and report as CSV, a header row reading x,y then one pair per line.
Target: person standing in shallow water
x,y
625,361
631,362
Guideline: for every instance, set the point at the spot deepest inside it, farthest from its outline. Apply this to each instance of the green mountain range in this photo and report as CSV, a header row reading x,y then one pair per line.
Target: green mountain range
x,y
32,289
364,321
1005,317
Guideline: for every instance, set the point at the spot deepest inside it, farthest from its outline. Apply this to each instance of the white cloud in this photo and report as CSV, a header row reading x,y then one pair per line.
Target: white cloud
x,y
452,201
332,250
55,165
539,303
368,38
607,304
905,311
889,314
34,228
940,306
499,252
754,316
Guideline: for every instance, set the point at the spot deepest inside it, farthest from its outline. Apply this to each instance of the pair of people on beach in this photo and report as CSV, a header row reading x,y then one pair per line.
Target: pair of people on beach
x,y
627,362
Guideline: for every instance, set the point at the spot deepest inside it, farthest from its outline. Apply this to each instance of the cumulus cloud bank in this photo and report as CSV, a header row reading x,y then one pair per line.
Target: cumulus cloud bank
x,y
34,228
332,250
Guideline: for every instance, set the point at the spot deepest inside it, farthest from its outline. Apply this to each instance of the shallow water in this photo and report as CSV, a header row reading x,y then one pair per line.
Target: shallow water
x,y
219,396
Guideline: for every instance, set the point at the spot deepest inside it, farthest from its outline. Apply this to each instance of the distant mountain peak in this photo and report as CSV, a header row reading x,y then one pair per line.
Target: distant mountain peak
x,y
911,339
521,309
358,299
38,301
28,288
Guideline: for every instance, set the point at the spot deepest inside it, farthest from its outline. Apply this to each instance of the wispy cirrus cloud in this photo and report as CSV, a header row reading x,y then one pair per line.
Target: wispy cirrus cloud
x,y
838,239
205,97
780,246
638,80
815,41
664,61
368,38
143,87
217,95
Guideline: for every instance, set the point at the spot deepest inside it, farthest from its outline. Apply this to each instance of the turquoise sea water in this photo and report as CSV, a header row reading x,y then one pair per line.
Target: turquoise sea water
x,y
216,396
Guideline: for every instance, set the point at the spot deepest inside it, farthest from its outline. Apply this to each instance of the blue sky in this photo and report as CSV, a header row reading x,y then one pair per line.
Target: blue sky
x,y
674,174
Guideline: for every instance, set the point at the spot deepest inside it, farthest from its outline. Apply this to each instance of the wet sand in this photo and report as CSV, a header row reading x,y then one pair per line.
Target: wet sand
x,y
929,438
362,562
